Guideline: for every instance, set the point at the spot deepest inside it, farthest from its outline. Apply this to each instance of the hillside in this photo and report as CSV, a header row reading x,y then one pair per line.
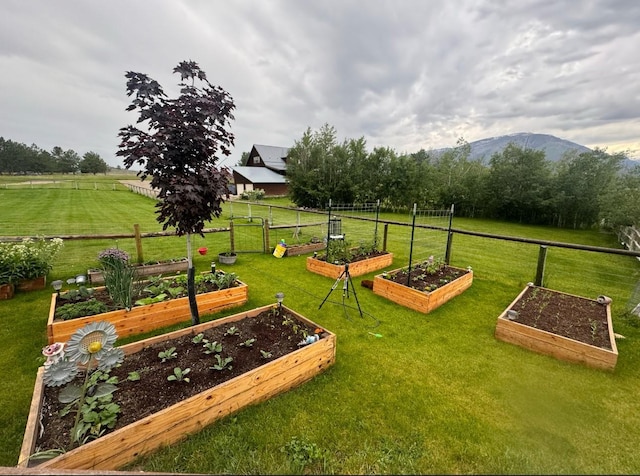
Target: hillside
x,y
554,147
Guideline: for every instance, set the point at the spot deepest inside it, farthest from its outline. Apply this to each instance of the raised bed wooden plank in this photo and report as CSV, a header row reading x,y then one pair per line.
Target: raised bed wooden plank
x,y
557,346
421,301
174,423
146,318
357,268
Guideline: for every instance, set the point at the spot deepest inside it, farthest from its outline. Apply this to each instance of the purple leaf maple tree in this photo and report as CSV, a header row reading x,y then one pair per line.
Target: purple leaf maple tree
x,y
178,142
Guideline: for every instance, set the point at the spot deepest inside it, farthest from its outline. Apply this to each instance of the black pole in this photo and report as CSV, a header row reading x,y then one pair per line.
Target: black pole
x,y
329,233
191,289
447,254
413,229
542,258
375,236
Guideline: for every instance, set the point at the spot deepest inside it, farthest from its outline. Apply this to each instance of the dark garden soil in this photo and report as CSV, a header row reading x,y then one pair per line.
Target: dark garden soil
x,y
423,281
153,392
358,257
569,316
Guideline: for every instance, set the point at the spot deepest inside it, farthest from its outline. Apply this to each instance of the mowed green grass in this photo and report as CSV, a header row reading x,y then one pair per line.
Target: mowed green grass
x,y
436,393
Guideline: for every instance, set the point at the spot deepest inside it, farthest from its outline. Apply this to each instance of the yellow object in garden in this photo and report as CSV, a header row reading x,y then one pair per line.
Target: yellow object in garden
x,y
280,249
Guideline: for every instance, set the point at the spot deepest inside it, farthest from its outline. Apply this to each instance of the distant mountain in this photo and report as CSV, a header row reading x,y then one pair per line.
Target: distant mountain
x,y
553,147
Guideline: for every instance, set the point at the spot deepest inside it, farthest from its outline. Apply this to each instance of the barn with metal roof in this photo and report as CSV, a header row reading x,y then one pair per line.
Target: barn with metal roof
x,y
265,168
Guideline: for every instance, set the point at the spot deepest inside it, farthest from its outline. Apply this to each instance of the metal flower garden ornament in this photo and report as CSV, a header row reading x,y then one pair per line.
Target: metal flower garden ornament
x,y
91,351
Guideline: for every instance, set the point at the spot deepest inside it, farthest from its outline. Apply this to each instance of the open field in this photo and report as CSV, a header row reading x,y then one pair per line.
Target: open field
x,y
436,393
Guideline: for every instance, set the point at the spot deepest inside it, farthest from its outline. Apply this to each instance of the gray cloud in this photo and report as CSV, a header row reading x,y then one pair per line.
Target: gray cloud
x,y
407,74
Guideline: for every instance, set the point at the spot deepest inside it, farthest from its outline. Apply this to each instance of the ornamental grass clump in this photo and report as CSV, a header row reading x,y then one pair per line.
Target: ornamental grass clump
x,y
89,351
28,259
119,276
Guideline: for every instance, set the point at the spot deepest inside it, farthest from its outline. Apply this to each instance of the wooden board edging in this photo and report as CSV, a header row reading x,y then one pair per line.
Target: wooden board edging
x,y
357,268
557,346
421,301
140,319
172,424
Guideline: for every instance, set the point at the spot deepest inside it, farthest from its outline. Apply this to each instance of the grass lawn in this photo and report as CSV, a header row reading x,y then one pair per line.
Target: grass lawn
x,y
436,393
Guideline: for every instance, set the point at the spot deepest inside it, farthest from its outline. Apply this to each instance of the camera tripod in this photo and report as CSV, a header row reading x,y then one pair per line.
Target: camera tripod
x,y
345,288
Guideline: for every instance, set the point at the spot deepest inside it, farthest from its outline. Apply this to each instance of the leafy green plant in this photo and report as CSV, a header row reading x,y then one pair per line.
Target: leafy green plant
x,y
212,347
98,412
295,326
232,331
80,309
81,293
338,251
266,354
302,453
199,338
247,343
151,299
222,363
179,375
133,376
219,280
168,354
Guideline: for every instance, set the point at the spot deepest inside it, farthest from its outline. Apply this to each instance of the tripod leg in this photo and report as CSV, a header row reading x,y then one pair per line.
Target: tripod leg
x,y
348,278
335,285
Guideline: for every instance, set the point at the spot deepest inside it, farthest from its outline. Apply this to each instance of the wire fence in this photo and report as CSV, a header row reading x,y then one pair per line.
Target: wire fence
x,y
589,272
64,185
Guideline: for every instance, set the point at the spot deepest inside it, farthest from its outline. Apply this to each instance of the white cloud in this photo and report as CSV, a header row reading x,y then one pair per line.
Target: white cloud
x,y
405,74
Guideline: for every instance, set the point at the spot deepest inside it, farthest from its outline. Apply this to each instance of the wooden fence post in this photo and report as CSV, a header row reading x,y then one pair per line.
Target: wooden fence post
x,y
266,236
231,237
136,230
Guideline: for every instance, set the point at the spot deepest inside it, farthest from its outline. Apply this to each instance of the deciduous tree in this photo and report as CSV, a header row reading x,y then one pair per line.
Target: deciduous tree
x,y
178,147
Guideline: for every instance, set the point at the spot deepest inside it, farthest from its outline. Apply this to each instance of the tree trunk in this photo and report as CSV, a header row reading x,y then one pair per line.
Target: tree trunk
x,y
191,285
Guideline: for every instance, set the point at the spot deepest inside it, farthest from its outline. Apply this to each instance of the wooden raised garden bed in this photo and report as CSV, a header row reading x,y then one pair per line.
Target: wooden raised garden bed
x,y
116,449
140,319
295,250
356,268
422,301
34,284
95,275
559,346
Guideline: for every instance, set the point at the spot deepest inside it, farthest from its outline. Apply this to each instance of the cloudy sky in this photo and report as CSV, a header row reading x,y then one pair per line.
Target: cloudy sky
x,y
408,74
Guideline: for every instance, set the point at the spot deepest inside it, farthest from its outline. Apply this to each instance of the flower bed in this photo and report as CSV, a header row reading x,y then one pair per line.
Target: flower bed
x,y
27,260
96,277
146,318
356,268
419,300
577,315
116,449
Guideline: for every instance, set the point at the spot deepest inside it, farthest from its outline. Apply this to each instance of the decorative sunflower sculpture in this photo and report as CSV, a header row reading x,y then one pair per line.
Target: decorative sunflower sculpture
x,y
91,351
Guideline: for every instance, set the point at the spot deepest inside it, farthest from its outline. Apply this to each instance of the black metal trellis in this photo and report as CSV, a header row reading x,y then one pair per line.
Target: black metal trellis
x,y
448,229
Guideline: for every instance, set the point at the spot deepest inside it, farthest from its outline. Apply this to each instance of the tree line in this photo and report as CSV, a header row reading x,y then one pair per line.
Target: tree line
x,y
18,158
518,184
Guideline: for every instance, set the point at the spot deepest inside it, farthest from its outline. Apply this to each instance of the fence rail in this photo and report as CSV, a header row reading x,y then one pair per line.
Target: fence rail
x,y
516,257
629,236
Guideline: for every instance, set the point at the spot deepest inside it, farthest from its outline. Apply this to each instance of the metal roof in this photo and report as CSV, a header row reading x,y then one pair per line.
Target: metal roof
x,y
259,175
273,156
